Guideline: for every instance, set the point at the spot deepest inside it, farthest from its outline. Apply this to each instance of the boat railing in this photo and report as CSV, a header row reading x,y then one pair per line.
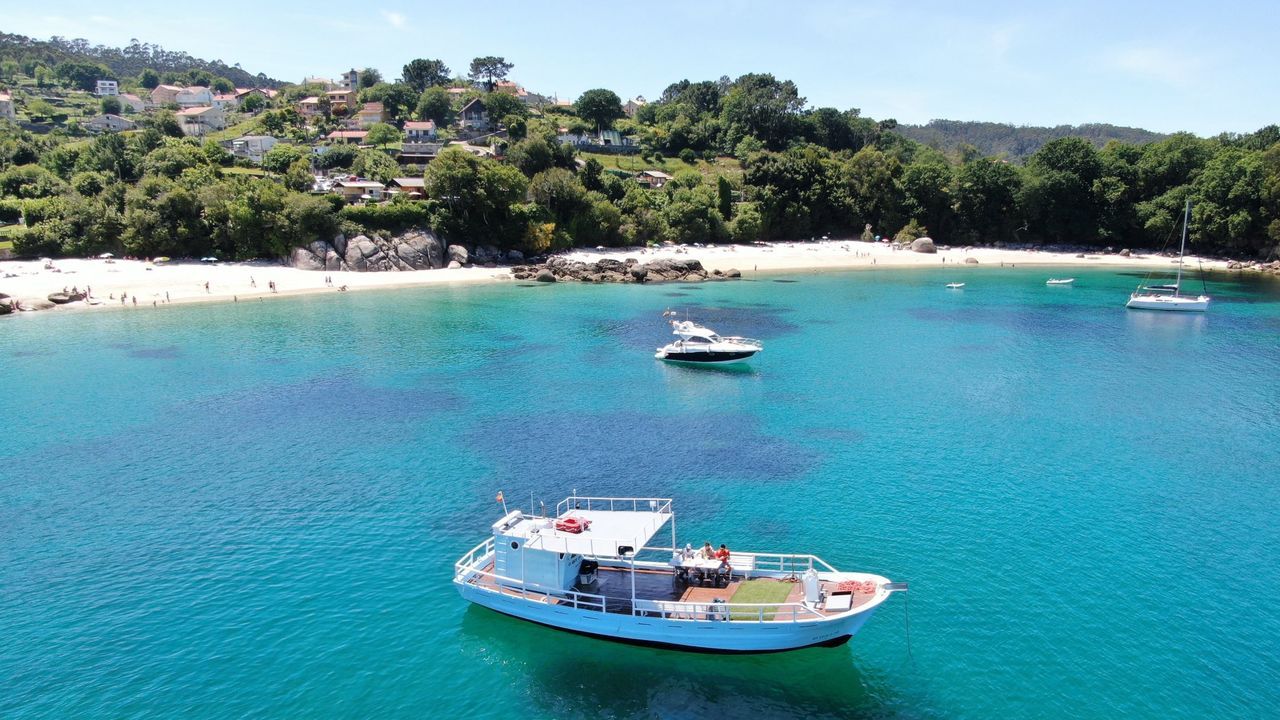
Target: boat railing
x,y
774,563
737,612
635,504
509,585
473,557
739,339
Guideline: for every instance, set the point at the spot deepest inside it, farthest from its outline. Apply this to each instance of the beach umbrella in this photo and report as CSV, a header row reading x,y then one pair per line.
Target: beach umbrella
x,y
104,256
161,259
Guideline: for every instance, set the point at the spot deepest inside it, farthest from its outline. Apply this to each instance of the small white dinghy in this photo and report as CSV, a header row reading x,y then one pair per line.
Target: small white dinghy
x,y
1059,281
955,286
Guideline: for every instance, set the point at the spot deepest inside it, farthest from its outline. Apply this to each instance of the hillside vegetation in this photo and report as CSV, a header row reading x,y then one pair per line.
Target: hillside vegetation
x,y
1015,143
740,160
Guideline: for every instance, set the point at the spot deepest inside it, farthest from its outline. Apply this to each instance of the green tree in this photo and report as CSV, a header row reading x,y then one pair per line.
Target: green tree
x,y
397,99
501,104
763,106
1058,196
599,107
222,85
369,77
491,69
986,200
281,156
477,197
111,106
421,74
382,134
375,165
252,102
532,155
434,104
149,79
81,75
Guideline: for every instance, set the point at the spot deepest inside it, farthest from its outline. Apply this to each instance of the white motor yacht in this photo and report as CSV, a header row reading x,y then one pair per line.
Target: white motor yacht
x,y
590,569
698,344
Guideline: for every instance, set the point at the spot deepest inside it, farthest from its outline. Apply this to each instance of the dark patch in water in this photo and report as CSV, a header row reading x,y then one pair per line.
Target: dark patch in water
x,y
30,353
743,368
534,284
628,452
786,281
168,352
675,294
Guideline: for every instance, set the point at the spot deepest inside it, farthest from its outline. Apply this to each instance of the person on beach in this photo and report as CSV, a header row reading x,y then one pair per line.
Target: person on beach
x,y
135,301
252,282
166,296
206,286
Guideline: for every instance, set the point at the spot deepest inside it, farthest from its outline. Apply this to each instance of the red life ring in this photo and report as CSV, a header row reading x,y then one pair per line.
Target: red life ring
x,y
572,525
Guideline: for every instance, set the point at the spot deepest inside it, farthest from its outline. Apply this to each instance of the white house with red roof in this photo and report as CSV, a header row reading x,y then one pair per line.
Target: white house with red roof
x,y
418,131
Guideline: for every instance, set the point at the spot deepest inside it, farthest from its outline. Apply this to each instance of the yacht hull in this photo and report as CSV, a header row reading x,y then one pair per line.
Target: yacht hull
x,y
703,358
710,636
1170,303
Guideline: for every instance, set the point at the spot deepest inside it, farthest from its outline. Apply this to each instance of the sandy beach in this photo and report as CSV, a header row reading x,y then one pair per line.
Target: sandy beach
x,y
156,285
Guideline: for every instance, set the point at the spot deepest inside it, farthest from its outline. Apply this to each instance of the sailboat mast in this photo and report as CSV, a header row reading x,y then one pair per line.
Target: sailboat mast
x,y
1186,220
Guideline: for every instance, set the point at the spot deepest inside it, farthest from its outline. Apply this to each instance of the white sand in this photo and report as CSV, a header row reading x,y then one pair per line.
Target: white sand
x,y
174,283
184,282
854,254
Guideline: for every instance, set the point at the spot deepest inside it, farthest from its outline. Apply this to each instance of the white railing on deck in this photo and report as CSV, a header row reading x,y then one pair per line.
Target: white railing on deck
x,y
775,563
634,504
736,612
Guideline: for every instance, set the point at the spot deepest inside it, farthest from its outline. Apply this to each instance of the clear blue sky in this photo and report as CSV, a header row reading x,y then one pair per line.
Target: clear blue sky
x,y
1206,67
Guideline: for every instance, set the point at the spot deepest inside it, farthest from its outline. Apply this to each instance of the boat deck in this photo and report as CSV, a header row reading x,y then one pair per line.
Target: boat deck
x,y
658,585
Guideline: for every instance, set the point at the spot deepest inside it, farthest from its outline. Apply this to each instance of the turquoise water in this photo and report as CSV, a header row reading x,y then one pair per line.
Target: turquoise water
x,y
253,509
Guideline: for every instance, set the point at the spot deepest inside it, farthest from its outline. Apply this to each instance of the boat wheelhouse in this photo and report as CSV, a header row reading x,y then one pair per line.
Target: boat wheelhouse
x,y
698,344
591,569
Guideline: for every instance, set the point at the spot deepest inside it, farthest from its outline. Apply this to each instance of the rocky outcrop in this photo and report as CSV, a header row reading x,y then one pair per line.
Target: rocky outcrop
x,y
6,306
609,270
971,261
923,245
413,250
63,298
1271,267
459,254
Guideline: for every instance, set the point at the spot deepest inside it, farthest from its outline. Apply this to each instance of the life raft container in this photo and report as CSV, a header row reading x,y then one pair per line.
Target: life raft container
x,y
572,525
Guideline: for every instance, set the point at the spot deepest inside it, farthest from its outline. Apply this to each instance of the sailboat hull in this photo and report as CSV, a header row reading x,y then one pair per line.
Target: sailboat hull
x,y
1175,303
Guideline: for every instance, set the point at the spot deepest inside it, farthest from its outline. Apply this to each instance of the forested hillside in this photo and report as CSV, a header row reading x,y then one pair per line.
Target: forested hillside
x,y
1015,143
729,160
30,54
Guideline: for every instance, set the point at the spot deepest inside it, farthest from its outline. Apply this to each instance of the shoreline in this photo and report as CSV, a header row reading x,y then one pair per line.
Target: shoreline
x,y
183,283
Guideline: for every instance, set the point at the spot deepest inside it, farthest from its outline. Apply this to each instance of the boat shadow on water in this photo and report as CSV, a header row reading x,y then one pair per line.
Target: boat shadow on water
x,y
740,369
575,676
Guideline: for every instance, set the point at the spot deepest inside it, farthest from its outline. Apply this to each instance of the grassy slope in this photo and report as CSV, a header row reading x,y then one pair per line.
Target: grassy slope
x,y
726,166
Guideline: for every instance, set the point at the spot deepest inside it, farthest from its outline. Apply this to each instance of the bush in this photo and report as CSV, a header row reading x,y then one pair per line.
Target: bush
x,y
689,156
392,217
10,211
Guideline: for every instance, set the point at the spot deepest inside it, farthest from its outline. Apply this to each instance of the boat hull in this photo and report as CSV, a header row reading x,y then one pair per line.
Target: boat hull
x,y
1170,303
707,357
708,636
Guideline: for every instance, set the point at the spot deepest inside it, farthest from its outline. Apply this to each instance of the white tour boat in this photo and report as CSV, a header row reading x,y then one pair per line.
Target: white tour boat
x,y
590,570
698,344
1170,297
1059,281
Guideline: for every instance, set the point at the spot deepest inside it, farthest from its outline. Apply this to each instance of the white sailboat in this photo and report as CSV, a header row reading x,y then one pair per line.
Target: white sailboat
x,y
1170,297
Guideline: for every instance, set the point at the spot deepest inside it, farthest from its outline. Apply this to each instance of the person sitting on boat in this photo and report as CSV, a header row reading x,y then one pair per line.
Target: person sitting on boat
x,y
723,555
687,553
707,552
